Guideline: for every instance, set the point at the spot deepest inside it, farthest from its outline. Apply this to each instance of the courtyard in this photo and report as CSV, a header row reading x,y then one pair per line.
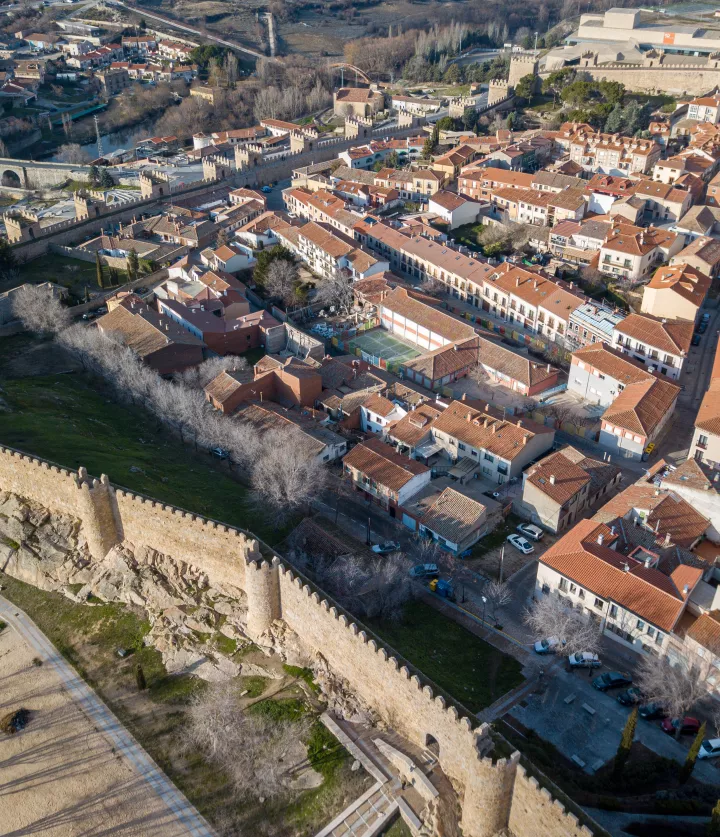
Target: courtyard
x,y
379,343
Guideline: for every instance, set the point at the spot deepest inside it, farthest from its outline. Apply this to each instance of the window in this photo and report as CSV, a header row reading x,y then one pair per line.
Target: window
x,y
563,585
502,469
640,624
546,589
613,611
581,593
599,604
650,631
489,458
461,446
573,588
659,638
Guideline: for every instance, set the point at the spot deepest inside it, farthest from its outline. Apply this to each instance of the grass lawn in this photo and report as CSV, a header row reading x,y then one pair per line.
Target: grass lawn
x,y
467,667
73,274
72,420
88,637
468,234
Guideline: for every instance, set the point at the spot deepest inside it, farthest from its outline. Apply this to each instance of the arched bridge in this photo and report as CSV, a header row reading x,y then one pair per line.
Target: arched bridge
x,y
350,68
26,174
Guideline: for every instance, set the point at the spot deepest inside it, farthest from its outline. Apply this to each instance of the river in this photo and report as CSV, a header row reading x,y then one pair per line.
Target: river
x,y
115,140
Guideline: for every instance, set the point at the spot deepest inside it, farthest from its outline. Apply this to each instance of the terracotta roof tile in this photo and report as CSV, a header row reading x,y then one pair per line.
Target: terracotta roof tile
x,y
454,516
706,631
383,464
671,336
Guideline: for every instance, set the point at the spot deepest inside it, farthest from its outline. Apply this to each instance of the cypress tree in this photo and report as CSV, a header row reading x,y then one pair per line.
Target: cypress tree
x,y
626,741
687,768
99,271
713,829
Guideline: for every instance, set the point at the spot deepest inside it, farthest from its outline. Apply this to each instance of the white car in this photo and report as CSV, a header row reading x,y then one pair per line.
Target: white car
x,y
710,748
584,659
535,533
547,646
520,544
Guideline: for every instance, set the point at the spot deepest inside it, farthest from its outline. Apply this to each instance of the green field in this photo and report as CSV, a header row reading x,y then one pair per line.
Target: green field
x,y
465,666
73,274
73,420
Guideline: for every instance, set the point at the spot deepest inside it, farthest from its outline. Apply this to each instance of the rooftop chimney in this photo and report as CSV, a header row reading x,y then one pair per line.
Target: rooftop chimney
x,y
600,537
667,539
519,424
686,589
463,397
468,418
552,482
626,567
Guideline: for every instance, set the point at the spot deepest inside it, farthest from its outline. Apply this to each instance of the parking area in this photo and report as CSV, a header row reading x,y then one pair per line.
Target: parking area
x,y
494,550
586,724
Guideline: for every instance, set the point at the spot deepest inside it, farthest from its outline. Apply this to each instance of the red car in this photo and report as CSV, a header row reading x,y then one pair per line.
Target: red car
x,y
688,726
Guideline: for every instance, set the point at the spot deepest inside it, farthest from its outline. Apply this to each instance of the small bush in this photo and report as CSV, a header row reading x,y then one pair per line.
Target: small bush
x,y
15,721
303,674
280,710
37,662
3,625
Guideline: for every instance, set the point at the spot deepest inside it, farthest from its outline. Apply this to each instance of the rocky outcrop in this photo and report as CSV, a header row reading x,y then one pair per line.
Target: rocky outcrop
x,y
189,616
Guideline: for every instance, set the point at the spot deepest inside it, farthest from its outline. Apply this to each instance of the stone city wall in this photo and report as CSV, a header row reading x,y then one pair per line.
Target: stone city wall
x,y
680,79
494,795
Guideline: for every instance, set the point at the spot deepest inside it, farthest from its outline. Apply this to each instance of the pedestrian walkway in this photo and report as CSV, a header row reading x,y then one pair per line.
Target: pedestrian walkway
x,y
124,743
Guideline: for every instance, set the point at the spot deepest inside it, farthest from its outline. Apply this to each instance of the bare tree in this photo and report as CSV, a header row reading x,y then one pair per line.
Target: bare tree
x,y
281,280
72,152
677,688
287,474
198,377
259,755
433,287
552,617
39,309
336,291
498,594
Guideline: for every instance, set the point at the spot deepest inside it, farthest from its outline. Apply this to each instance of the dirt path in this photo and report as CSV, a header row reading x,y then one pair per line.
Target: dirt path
x,y
75,770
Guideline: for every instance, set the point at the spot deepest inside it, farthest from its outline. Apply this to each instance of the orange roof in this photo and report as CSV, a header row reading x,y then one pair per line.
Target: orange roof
x,y
383,464
645,591
641,406
611,362
558,477
672,336
706,631
708,417
684,280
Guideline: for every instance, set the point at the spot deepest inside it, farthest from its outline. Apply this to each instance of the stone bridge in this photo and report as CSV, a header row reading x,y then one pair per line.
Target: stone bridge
x,y
26,174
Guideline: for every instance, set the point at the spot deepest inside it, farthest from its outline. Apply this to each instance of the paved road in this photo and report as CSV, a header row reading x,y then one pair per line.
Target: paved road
x,y
106,722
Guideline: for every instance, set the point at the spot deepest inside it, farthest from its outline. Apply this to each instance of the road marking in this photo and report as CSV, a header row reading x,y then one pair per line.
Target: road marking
x,y
107,723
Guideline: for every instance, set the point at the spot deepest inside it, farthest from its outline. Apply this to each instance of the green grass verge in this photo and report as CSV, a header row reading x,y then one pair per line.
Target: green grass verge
x,y
286,709
124,442
73,274
465,666
303,674
254,684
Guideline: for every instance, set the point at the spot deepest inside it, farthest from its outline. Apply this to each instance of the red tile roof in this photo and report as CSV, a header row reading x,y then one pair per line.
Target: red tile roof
x,y
383,464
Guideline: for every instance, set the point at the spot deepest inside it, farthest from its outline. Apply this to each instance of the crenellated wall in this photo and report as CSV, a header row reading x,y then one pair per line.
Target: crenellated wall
x,y
494,796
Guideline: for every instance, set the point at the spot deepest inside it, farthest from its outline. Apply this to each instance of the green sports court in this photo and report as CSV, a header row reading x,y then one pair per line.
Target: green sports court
x,y
380,343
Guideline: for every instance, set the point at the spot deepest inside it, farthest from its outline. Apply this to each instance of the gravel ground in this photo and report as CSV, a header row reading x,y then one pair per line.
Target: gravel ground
x,y
60,776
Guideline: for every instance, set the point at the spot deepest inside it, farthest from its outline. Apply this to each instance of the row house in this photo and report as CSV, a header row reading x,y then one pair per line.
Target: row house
x,y
705,109
328,252
661,345
453,161
175,50
542,208
384,476
560,487
633,252
591,323
323,207
501,449
480,184
417,185
143,44
705,446
613,153
676,292
638,404
702,254
663,202
618,584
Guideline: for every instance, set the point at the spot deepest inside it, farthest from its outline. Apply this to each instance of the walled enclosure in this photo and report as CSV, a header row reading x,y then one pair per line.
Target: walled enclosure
x,y
493,795
680,80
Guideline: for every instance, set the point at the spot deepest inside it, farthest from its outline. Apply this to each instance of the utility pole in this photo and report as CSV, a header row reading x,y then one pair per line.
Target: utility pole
x,y
99,138
502,556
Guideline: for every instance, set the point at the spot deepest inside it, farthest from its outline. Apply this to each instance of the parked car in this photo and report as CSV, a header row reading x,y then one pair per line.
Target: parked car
x,y
547,646
702,328
651,711
220,453
611,680
386,547
266,189
688,725
520,544
630,696
706,316
535,533
584,659
696,340
709,749
425,571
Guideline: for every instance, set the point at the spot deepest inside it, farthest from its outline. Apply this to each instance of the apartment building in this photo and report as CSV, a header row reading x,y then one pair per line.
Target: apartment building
x,y
663,202
560,487
323,207
638,404
542,208
703,254
705,109
661,345
501,448
327,251
613,153
633,252
480,184
705,445
593,323
675,292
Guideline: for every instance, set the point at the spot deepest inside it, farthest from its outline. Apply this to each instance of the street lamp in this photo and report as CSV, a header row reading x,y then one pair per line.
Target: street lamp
x,y
484,601
502,556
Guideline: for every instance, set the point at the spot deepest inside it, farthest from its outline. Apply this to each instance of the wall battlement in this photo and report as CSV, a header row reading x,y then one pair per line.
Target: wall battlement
x,y
494,795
